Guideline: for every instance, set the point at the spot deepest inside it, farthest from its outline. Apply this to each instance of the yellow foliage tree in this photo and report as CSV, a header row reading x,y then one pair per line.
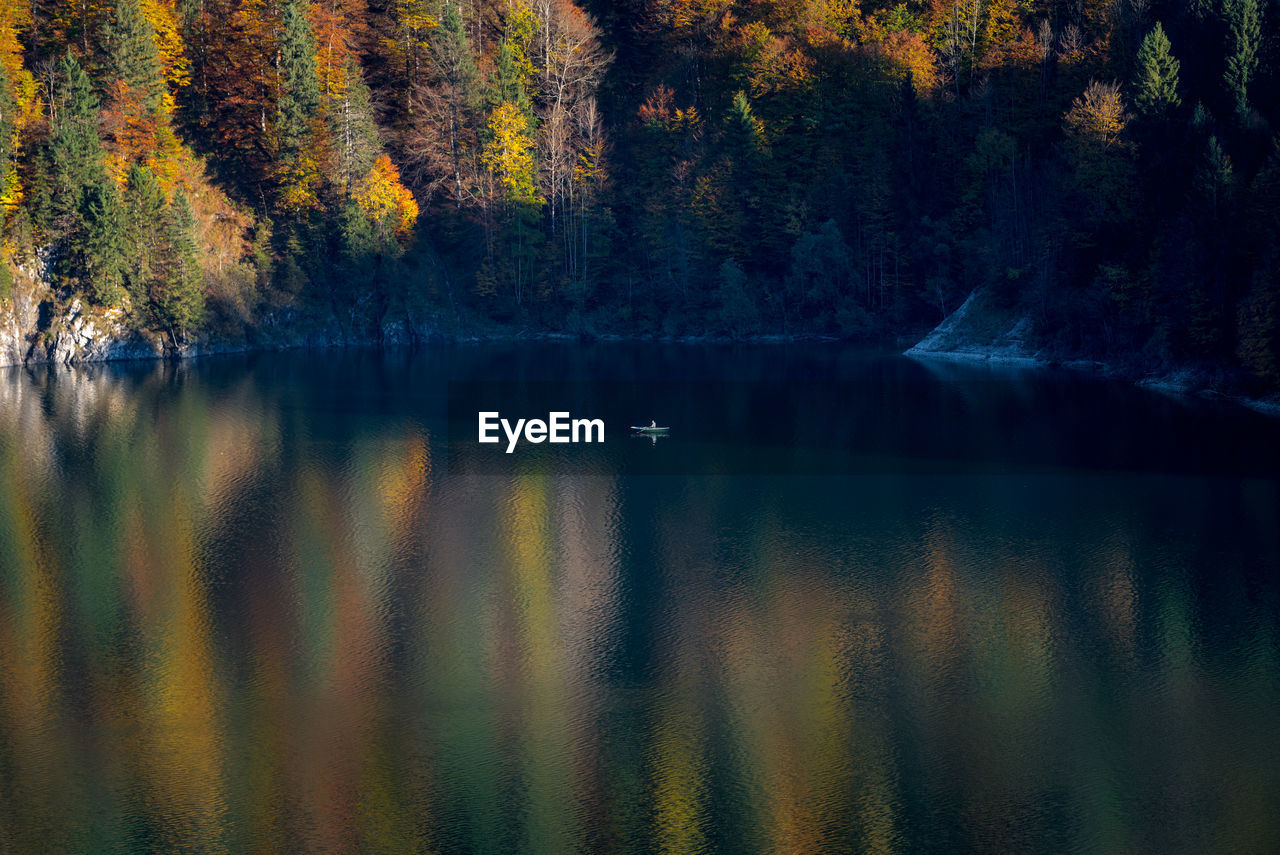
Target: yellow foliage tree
x,y
384,199
509,154
15,15
522,26
163,18
408,45
1097,118
697,16
1102,157
910,56
10,191
299,182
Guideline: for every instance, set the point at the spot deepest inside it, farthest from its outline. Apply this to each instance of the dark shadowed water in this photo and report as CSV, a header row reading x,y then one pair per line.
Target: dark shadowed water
x,y
853,603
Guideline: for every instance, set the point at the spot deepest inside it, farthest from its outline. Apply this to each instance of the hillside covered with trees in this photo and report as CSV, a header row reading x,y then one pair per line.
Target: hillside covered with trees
x,y
1107,169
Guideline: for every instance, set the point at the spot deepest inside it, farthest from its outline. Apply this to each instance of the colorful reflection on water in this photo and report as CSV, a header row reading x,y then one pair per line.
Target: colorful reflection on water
x,y
245,608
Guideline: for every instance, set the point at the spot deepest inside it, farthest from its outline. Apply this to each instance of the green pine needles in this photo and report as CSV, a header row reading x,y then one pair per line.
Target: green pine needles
x,y
1244,32
1156,81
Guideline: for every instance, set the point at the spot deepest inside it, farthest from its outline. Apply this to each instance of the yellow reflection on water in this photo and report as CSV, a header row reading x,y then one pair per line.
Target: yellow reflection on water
x,y
527,527
326,650
30,635
1117,600
788,651
679,770
183,729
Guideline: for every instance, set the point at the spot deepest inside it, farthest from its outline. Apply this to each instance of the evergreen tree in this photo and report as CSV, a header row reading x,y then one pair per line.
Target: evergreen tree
x,y
456,63
745,131
102,247
1216,177
507,86
144,204
734,311
356,245
354,131
131,57
144,213
297,164
300,92
1244,34
180,294
513,67
86,201
1156,80
75,146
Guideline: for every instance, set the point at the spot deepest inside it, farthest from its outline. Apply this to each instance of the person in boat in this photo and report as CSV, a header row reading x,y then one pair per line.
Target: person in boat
x,y
652,423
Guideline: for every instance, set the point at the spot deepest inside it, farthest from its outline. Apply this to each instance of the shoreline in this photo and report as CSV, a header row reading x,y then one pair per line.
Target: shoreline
x,y
138,348
1178,384
955,339
78,340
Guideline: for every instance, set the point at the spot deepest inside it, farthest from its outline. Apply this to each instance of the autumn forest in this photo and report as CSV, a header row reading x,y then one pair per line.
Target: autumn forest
x,y
1107,170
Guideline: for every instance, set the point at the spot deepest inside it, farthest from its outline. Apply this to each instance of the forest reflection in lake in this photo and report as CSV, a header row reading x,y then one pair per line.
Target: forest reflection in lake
x,y
246,606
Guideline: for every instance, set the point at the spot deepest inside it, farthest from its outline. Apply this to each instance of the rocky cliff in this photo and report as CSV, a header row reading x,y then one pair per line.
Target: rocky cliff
x,y
35,329
976,333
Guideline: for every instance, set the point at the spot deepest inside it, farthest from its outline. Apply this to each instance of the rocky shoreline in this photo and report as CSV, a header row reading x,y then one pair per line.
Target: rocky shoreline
x,y
84,335
968,335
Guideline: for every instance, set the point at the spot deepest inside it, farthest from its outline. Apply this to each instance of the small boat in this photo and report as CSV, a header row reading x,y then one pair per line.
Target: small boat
x,y
643,429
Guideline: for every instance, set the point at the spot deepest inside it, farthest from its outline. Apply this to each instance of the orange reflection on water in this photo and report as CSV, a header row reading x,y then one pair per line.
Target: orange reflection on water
x,y
183,727
788,651
30,670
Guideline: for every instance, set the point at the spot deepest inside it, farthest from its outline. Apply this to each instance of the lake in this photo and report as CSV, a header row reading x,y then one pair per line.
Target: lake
x,y
853,603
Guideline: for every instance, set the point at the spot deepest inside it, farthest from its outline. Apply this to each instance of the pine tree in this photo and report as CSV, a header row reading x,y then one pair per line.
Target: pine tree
x,y
453,56
746,132
1244,34
131,57
144,206
459,76
86,201
75,147
353,130
180,301
102,247
297,166
356,246
1156,79
1216,177
507,85
300,92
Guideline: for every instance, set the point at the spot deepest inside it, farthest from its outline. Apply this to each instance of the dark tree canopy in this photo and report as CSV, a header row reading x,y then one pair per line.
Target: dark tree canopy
x,y
1105,172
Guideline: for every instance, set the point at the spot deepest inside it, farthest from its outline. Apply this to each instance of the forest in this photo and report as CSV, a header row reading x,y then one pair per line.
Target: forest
x,y
205,169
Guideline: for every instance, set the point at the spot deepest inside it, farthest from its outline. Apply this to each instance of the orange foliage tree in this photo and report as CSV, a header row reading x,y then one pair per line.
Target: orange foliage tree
x,y
385,200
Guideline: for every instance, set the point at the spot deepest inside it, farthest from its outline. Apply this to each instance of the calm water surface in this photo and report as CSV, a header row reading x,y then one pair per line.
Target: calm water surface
x,y
272,604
